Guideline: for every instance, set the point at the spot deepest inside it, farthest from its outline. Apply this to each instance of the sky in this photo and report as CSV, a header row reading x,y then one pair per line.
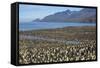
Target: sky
x,y
28,13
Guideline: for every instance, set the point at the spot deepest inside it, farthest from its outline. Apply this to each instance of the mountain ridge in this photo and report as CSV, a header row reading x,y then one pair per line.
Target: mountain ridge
x,y
84,15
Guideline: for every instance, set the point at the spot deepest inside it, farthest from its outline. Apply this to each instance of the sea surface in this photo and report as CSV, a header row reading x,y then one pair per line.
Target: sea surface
x,y
50,25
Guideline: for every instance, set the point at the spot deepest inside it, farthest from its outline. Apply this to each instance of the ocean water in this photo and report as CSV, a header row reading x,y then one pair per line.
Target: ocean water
x,y
50,25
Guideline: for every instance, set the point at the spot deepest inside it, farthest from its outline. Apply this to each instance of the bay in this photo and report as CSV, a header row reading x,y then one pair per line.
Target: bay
x,y
50,25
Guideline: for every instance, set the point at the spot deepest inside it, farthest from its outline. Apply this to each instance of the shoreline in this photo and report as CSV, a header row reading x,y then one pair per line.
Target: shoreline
x,y
40,50
55,28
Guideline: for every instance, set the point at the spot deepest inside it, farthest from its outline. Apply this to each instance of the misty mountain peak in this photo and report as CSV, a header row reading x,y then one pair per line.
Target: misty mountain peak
x,y
84,15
